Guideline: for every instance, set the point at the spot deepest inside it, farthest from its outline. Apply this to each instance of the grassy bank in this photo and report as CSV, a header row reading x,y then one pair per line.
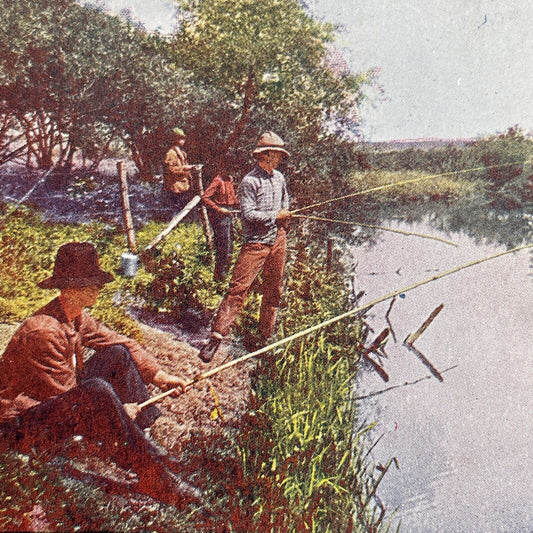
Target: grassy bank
x,y
295,463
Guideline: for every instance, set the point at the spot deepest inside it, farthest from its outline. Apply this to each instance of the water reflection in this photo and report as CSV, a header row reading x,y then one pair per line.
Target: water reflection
x,y
463,445
469,217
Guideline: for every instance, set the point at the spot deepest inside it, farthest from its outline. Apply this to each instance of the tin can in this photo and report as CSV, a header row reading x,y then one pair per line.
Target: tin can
x,y
128,264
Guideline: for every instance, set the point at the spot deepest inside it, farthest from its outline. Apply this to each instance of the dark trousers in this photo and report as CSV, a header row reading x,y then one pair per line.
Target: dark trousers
x,y
176,201
93,409
223,230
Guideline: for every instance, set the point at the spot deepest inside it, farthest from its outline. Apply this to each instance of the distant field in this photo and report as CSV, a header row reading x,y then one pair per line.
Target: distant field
x,y
453,186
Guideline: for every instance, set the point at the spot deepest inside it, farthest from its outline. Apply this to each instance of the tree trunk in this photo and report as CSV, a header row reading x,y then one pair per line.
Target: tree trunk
x,y
248,99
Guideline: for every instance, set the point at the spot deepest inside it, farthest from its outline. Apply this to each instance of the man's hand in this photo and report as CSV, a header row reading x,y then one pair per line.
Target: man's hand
x,y
166,381
132,409
283,218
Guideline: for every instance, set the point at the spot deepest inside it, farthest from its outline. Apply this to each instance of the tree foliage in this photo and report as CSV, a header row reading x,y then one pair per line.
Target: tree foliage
x,y
76,78
268,59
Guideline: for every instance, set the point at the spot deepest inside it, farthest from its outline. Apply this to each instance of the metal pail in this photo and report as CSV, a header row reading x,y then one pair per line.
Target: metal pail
x,y
128,264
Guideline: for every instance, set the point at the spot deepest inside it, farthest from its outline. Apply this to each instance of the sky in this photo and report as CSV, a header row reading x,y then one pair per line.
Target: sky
x,y
448,68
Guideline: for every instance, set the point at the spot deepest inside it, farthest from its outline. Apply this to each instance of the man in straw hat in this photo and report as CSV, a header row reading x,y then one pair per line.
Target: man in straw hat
x,y
48,394
264,202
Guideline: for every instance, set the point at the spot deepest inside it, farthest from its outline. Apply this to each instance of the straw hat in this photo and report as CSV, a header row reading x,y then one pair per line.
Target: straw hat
x,y
76,265
179,133
269,141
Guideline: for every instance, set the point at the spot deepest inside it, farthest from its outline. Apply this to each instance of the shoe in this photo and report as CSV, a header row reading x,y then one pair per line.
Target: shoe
x,y
161,484
208,350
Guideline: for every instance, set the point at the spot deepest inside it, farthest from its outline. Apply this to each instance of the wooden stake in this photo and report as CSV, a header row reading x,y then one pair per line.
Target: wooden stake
x,y
373,347
203,211
377,367
424,360
126,211
412,337
387,318
174,222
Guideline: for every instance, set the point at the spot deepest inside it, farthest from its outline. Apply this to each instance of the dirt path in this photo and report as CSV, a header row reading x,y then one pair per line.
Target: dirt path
x,y
195,410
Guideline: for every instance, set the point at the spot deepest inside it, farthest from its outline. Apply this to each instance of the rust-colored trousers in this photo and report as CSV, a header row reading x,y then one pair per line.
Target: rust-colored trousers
x,y
253,258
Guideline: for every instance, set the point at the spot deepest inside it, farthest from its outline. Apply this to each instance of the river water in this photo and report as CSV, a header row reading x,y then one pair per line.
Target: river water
x,y
464,446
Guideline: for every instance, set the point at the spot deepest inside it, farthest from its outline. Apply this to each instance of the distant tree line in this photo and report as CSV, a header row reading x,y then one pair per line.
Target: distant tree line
x,y
503,163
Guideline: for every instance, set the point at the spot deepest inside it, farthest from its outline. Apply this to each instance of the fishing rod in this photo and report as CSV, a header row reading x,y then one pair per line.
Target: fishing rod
x,y
29,193
328,322
405,182
422,235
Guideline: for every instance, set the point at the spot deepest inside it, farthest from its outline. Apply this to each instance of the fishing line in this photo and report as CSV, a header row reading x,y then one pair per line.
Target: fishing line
x,y
405,182
28,194
424,236
330,321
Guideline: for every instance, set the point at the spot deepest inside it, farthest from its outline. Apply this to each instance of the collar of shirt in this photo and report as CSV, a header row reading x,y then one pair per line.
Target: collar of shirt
x,y
261,172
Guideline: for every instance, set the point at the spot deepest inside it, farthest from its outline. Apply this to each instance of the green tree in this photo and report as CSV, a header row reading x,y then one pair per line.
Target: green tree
x,y
77,78
268,58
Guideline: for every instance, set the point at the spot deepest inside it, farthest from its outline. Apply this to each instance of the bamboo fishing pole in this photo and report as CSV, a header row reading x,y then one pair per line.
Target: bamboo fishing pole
x,y
405,182
402,232
328,322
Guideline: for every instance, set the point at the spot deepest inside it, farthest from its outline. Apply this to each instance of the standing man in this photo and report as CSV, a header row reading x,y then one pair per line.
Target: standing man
x,y
48,393
264,204
221,200
177,174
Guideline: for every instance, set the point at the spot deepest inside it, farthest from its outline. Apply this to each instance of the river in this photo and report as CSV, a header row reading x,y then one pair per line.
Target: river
x,y
463,446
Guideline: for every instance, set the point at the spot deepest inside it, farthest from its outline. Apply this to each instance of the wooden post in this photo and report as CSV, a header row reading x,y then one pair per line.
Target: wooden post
x,y
203,211
126,211
412,337
378,342
329,256
424,360
174,222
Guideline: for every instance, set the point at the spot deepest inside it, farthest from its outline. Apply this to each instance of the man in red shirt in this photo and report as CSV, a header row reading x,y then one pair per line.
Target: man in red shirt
x,y
222,201
49,394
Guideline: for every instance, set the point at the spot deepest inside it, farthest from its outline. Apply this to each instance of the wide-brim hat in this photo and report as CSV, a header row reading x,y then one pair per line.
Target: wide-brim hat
x,y
76,265
268,142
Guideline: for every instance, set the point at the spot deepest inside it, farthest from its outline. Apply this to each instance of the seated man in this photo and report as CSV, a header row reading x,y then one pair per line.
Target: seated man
x,y
48,393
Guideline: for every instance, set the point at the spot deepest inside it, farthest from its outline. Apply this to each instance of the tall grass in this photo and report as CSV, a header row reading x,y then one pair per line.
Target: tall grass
x,y
299,448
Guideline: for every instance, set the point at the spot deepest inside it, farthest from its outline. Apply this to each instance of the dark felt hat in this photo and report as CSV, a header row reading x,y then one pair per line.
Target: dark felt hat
x,y
77,265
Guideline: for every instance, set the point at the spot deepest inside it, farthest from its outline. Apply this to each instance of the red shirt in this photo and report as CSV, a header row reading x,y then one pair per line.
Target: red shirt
x,y
44,354
220,193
